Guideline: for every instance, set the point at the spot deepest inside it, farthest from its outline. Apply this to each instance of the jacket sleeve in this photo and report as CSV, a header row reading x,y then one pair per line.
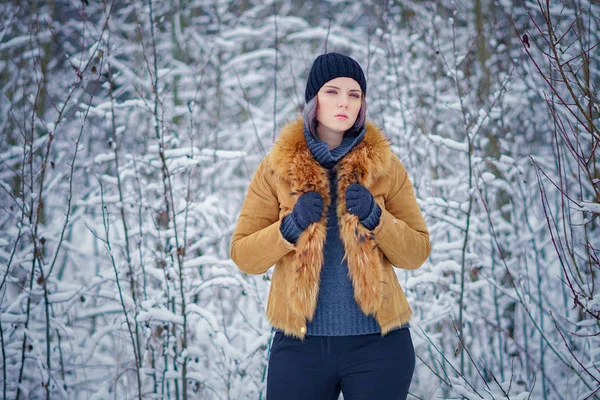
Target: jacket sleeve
x,y
257,243
401,233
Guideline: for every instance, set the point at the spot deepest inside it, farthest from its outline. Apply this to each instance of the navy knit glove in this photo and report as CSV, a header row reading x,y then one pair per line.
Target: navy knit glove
x,y
308,209
360,202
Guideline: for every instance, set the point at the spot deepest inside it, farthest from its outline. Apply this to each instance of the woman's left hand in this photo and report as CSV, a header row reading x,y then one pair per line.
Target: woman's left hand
x,y
360,202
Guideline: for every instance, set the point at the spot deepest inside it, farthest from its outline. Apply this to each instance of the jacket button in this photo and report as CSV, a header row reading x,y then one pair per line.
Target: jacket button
x,y
303,329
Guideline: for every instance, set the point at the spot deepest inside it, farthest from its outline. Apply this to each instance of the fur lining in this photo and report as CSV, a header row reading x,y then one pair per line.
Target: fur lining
x,y
292,161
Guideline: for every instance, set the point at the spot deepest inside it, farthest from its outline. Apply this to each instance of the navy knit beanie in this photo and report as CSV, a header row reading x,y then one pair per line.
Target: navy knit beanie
x,y
330,66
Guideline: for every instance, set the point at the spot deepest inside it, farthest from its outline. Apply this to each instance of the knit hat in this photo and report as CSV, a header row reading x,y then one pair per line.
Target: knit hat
x,y
330,66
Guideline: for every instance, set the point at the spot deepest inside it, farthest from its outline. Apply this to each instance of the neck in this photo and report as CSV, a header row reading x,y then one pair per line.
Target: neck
x,y
333,139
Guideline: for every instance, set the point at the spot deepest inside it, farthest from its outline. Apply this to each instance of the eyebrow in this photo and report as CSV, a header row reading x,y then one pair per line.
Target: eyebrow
x,y
335,87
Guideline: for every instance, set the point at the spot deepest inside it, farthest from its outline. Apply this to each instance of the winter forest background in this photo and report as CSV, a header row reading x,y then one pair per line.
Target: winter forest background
x,y
130,131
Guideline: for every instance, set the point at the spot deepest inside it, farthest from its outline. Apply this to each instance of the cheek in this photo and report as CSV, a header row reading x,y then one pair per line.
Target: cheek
x,y
319,114
324,105
323,109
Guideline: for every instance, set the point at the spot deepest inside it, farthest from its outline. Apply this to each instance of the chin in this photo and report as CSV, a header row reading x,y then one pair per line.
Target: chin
x,y
347,127
341,127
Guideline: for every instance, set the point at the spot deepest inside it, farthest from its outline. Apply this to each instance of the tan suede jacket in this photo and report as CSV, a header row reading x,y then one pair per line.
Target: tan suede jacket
x,y
401,239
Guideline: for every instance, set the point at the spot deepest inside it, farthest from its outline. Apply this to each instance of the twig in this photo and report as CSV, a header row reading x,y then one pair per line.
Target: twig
x,y
571,351
450,364
106,223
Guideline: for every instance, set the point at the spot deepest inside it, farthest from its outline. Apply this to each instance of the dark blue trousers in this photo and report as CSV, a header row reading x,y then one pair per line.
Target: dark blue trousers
x,y
361,367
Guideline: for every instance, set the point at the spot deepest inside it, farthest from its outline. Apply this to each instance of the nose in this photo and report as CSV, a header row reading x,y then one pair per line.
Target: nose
x,y
343,101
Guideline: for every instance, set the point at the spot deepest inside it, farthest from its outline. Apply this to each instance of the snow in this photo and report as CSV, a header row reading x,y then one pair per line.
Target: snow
x,y
228,81
448,266
12,318
223,154
101,158
451,144
249,57
587,323
487,177
589,206
162,315
23,41
205,314
63,296
208,260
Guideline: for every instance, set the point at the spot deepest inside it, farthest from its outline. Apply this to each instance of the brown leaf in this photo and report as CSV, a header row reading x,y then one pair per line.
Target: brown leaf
x,y
163,219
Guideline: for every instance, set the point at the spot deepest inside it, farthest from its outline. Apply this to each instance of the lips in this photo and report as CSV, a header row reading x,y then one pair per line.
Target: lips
x,y
342,116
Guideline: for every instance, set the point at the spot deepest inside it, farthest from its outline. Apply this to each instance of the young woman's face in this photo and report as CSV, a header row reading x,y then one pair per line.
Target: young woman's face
x,y
338,104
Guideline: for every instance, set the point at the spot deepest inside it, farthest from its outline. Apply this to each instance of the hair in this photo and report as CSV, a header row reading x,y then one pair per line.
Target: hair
x,y
310,115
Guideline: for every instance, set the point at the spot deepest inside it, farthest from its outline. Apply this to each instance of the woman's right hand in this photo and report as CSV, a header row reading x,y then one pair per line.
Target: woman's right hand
x,y
308,209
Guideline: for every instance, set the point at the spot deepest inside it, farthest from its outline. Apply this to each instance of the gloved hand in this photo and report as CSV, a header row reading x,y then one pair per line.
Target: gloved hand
x,y
360,202
308,209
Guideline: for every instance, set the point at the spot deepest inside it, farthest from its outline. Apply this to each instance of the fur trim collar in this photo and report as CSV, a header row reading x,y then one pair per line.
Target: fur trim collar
x,y
292,161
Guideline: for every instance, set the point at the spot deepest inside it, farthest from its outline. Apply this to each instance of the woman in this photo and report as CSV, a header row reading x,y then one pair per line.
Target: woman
x,y
333,209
